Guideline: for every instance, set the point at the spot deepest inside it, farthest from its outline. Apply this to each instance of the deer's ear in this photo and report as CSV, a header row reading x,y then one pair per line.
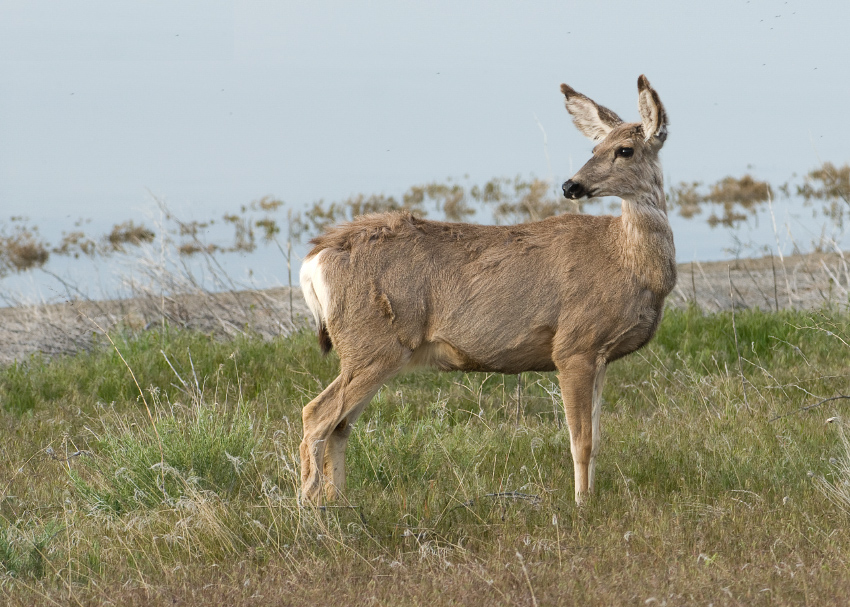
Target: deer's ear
x,y
592,119
652,114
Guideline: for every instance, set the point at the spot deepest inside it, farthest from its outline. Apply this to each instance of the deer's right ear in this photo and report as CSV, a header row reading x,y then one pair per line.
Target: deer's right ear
x,y
592,119
653,116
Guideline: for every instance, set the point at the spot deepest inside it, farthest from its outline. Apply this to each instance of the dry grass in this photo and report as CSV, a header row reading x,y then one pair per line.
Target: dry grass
x,y
453,497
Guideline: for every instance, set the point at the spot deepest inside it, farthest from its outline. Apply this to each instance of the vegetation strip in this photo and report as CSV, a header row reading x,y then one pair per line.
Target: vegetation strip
x,y
700,500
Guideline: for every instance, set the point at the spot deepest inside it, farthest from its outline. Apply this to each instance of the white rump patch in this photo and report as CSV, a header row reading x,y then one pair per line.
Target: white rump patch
x,y
315,288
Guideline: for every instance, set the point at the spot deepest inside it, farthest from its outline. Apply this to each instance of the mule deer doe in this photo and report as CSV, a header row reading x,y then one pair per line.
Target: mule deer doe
x,y
391,291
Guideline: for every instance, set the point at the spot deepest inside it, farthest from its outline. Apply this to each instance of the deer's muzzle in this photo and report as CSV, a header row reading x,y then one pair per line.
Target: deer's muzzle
x,y
573,190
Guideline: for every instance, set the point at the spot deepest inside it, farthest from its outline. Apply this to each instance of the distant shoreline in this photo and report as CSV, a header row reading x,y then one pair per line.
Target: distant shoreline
x,y
796,281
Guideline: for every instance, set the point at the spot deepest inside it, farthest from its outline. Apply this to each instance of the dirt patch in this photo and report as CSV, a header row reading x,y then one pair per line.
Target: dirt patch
x,y
799,281
770,283
67,328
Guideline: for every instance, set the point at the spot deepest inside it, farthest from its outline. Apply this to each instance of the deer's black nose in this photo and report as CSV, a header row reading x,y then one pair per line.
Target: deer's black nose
x,y
573,190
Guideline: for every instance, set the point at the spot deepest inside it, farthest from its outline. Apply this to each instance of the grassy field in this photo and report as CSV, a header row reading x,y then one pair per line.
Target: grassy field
x,y
162,469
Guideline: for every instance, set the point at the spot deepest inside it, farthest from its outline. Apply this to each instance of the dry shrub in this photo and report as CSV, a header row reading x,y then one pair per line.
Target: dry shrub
x,y
745,191
450,198
266,203
191,228
502,200
27,253
827,183
76,243
269,227
738,196
831,185
518,200
243,238
687,198
22,250
193,248
322,215
531,201
128,233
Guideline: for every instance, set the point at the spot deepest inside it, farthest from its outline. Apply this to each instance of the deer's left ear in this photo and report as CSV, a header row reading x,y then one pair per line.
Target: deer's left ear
x,y
652,114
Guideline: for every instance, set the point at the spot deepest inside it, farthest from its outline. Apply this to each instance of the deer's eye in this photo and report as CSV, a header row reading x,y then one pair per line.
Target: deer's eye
x,y
624,152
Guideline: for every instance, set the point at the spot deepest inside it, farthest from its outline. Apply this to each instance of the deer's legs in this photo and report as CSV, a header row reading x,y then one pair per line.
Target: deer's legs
x,y
312,443
578,376
596,414
327,423
334,466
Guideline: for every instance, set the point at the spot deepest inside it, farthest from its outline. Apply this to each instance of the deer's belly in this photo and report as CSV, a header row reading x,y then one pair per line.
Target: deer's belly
x,y
532,352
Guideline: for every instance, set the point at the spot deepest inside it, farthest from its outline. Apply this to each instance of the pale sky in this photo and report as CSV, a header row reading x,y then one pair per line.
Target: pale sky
x,y
213,104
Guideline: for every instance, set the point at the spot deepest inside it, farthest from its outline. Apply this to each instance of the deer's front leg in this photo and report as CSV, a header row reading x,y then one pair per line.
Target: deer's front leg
x,y
596,416
577,376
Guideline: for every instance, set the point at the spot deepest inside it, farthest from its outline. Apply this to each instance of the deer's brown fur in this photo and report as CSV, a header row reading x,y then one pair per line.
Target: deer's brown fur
x,y
572,293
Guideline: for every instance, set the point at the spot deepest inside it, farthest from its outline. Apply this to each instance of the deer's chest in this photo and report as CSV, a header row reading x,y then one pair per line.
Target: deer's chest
x,y
637,334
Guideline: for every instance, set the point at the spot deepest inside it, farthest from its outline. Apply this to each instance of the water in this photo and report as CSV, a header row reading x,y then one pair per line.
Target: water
x,y
791,227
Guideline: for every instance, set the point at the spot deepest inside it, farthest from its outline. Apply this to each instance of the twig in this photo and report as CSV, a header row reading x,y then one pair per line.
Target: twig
x,y
755,282
775,286
806,408
288,256
793,347
69,287
515,495
357,509
219,274
527,579
682,294
737,350
518,396
694,285
165,356
743,300
778,248
49,452
710,288
843,261
289,273
833,277
162,266
815,282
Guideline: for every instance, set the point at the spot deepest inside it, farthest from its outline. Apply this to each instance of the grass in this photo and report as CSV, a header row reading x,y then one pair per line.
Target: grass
x,y
710,489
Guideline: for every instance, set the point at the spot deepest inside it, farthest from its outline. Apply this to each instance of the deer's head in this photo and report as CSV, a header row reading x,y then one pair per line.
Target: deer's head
x,y
625,159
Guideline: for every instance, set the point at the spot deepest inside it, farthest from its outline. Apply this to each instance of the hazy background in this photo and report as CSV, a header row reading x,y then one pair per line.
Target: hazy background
x,y
212,104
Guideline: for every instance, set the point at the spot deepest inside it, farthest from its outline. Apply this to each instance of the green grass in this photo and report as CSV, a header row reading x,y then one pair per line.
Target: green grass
x,y
202,449
710,488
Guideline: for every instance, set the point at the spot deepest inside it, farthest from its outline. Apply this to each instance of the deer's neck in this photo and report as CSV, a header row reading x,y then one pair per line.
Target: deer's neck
x,y
646,247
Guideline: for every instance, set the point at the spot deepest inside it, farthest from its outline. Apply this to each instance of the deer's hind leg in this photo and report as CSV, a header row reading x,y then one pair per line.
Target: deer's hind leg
x,y
327,423
334,466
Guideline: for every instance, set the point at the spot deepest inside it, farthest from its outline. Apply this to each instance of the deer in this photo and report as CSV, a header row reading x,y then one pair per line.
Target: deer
x,y
571,293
